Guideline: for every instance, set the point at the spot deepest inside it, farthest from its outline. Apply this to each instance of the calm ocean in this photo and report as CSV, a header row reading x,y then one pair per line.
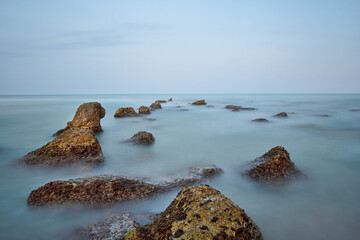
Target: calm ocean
x,y
325,148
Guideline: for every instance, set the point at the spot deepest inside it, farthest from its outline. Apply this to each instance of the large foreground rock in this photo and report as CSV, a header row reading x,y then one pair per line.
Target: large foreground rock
x,y
88,116
199,102
141,138
108,189
125,112
274,166
74,146
199,212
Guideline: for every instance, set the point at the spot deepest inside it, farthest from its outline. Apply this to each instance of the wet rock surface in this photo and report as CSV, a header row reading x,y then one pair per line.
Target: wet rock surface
x,y
281,115
74,146
144,110
141,138
88,115
125,112
155,106
273,167
199,212
260,120
235,108
110,189
199,102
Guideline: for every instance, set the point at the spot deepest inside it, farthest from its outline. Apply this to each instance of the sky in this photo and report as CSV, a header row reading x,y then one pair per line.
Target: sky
x,y
130,47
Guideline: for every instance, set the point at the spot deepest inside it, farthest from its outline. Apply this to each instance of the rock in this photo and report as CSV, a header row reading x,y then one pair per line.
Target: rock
x,y
199,212
160,101
200,102
109,189
274,166
210,106
88,115
184,110
113,227
74,146
235,108
142,138
178,107
355,110
155,106
170,100
260,120
144,110
282,114
125,112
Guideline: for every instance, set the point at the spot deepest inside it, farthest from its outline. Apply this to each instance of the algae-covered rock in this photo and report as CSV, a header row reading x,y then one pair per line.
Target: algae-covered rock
x,y
74,146
199,102
274,166
125,112
88,115
155,106
199,212
142,138
144,110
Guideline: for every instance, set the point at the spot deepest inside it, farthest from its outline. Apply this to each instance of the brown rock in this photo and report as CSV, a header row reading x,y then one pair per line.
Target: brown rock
x,y
282,114
199,212
260,120
155,106
274,166
199,102
142,138
125,112
160,101
144,110
74,146
88,115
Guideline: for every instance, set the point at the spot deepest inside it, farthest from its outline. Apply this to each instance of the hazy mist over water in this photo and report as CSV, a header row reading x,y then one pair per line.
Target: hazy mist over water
x,y
326,149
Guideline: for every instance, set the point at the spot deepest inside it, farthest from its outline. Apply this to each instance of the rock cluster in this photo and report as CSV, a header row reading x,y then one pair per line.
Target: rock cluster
x,y
73,146
199,212
125,112
142,138
274,167
199,102
88,115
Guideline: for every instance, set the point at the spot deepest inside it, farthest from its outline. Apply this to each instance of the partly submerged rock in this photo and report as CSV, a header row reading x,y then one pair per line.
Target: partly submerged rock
x,y
170,100
125,112
199,102
210,106
142,138
274,166
160,101
235,108
355,110
88,115
144,110
260,120
74,146
109,189
282,115
150,119
199,212
155,106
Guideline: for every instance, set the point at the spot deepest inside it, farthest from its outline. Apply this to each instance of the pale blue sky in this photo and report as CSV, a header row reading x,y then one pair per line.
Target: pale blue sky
x,y
248,46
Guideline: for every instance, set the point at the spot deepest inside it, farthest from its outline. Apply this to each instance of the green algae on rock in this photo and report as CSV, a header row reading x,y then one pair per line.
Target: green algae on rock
x,y
199,212
125,112
74,146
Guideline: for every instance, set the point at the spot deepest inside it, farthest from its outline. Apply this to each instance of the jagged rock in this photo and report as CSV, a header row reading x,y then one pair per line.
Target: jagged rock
x,y
210,106
260,120
109,189
142,138
274,166
199,212
125,112
74,146
355,110
144,110
155,106
282,114
170,100
88,115
235,108
200,102
160,101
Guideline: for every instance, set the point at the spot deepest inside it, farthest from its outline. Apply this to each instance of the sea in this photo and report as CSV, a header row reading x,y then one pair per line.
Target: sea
x,y
321,134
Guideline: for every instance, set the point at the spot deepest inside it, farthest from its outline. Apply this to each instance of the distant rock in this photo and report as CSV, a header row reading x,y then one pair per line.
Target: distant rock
x,y
108,189
281,115
200,102
125,112
144,110
210,106
184,110
155,106
199,212
170,100
273,167
355,110
88,116
142,138
74,146
160,101
260,120
235,108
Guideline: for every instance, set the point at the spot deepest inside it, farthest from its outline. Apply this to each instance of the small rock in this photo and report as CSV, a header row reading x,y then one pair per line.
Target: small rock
x,y
125,112
150,119
210,106
282,115
160,101
142,138
184,110
170,100
199,102
155,106
144,110
355,110
178,107
235,108
260,120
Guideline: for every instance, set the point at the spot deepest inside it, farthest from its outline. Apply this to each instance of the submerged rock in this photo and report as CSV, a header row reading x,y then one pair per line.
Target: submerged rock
x,y
74,146
199,102
144,110
199,212
184,110
282,114
210,106
355,110
260,120
142,138
155,106
88,115
108,189
125,112
160,101
274,166
235,108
